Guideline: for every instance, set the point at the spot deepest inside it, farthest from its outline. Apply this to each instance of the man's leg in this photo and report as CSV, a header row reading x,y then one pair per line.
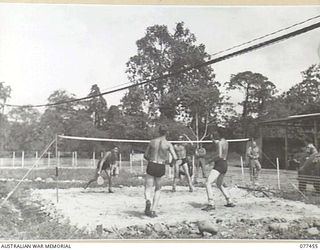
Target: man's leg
x,y
252,172
258,169
92,180
148,184
223,190
156,197
109,173
210,180
186,171
202,164
176,168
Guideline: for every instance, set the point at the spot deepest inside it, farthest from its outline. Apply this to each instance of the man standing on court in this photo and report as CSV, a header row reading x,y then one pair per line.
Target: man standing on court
x,y
218,172
181,164
200,160
156,154
253,154
108,164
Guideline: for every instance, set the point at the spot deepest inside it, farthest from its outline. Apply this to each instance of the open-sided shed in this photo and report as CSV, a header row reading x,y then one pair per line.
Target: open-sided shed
x,y
308,122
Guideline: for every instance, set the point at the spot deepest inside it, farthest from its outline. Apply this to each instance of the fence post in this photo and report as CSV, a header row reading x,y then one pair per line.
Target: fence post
x,y
242,170
76,158
49,159
37,158
142,163
94,159
278,173
59,153
22,159
130,163
13,158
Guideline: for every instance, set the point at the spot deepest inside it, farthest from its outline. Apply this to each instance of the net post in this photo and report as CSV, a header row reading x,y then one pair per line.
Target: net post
x,y
120,161
57,167
22,159
278,173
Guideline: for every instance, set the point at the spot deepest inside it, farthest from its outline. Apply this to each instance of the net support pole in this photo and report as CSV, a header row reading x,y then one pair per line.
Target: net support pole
x,y
278,173
57,168
120,161
242,169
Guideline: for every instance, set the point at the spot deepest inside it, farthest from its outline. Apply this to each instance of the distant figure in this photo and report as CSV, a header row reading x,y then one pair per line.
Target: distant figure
x,y
109,164
182,165
218,172
253,154
311,149
200,160
156,154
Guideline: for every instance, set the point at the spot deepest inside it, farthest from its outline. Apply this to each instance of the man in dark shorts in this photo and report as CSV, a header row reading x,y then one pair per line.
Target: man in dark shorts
x,y
108,164
218,172
156,154
182,166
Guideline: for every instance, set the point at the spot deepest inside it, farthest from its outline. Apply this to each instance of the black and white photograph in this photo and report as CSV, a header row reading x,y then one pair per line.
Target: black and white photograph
x,y
159,122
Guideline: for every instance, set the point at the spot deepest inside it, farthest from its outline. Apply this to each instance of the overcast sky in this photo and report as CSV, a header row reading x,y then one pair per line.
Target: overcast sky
x,y
48,47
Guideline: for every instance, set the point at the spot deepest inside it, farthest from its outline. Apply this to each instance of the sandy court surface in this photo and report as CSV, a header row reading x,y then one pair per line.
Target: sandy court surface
x,y
94,206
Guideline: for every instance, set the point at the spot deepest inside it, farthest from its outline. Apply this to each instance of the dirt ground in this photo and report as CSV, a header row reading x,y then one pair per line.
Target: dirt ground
x,y
124,208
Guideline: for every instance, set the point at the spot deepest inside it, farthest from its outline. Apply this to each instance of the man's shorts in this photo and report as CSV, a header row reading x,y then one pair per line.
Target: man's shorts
x,y
179,170
221,166
105,166
156,169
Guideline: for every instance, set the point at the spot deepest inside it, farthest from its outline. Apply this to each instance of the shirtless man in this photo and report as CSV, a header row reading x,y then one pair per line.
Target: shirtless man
x,y
156,155
182,162
254,164
218,172
108,164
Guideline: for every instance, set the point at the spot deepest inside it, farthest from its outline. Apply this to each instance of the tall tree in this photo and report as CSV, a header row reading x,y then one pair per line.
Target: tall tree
x,y
97,106
304,97
5,93
161,52
257,90
132,102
